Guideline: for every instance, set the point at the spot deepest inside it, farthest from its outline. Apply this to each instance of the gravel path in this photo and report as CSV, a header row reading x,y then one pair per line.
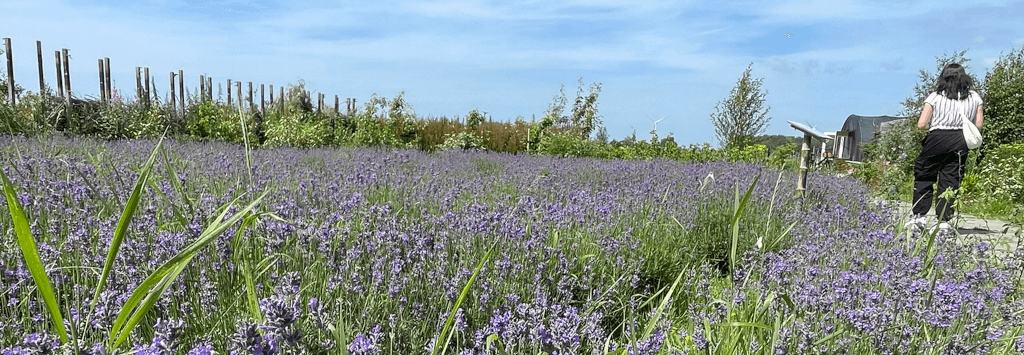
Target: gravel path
x,y
1004,237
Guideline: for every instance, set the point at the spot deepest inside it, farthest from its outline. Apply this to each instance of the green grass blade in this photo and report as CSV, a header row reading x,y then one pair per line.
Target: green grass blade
x,y
462,297
174,208
651,323
748,325
132,306
122,224
150,300
740,205
172,176
35,265
248,155
250,294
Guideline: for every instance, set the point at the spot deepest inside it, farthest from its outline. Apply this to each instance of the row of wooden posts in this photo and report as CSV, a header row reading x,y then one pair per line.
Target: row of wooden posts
x,y
143,87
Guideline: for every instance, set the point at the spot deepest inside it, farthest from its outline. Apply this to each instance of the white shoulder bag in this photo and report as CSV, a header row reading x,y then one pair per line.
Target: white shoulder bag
x,y
971,134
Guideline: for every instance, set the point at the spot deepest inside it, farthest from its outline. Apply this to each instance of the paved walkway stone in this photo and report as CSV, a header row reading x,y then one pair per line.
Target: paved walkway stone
x,y
1004,237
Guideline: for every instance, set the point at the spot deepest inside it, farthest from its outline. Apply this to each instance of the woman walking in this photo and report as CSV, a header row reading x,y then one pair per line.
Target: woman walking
x,y
943,156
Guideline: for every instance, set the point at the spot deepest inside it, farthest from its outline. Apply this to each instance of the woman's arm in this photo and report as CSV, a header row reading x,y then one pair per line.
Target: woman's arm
x,y
926,116
980,119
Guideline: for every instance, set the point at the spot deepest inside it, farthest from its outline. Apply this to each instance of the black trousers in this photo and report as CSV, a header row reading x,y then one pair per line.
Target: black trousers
x,y
943,159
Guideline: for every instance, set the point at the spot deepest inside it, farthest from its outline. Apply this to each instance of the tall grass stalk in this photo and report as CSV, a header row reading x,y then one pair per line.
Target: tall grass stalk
x,y
735,224
147,293
32,261
122,224
441,343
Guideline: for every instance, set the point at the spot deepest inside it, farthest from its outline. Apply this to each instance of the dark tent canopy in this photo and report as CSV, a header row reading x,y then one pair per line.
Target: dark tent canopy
x,y
860,130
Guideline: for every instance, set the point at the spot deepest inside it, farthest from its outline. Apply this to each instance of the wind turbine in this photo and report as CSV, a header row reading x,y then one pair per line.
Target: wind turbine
x,y
656,122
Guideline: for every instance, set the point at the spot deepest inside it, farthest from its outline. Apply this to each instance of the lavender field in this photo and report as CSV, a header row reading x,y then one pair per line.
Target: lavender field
x,y
362,251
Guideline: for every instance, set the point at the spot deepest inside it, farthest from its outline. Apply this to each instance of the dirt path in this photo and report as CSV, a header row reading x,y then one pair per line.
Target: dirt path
x,y
1004,237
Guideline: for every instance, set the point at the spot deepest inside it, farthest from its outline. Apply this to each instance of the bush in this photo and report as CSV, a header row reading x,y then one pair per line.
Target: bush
x,y
1004,101
462,140
1002,173
756,153
569,144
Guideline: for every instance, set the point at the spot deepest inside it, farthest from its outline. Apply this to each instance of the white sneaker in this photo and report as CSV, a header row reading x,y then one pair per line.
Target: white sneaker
x,y
945,227
916,223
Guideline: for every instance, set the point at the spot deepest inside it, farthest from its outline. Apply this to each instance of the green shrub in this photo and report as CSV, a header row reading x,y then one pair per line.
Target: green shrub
x,y
1002,173
569,144
1004,101
756,153
462,140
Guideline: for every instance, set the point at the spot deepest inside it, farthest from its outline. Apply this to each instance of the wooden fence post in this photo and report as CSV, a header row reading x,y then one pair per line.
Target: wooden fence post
x,y
110,83
10,72
229,92
202,88
336,112
173,107
250,96
67,75
181,91
209,87
271,91
138,84
145,71
60,75
42,82
238,88
103,83
263,105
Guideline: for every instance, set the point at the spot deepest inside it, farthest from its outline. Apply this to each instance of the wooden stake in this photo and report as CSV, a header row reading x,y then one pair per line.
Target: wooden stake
x,y
250,96
103,83
138,84
238,87
336,105
10,72
42,82
145,72
229,92
110,83
67,75
209,88
202,88
263,105
271,91
181,91
60,75
173,108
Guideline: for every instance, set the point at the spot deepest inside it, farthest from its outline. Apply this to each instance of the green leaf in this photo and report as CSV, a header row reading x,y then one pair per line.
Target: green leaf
x,y
748,324
651,323
735,224
35,265
442,339
122,224
122,326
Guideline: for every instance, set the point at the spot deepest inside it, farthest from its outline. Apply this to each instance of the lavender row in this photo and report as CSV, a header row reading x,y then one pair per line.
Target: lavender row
x,y
378,244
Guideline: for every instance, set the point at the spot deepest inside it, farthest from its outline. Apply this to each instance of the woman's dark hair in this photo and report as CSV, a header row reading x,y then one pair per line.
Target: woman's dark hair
x,y
954,83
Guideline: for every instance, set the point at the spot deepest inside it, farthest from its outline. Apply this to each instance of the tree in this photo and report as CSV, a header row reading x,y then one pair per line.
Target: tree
x,y
582,123
913,104
1004,101
584,111
741,119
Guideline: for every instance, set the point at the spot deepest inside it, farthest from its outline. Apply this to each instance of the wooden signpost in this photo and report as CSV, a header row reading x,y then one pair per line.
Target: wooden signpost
x,y
805,155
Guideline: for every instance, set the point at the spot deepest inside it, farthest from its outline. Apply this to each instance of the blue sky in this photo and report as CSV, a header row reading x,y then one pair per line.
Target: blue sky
x,y
654,59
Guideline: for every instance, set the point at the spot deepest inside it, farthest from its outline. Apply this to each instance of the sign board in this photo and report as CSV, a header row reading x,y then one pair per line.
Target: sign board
x,y
809,131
